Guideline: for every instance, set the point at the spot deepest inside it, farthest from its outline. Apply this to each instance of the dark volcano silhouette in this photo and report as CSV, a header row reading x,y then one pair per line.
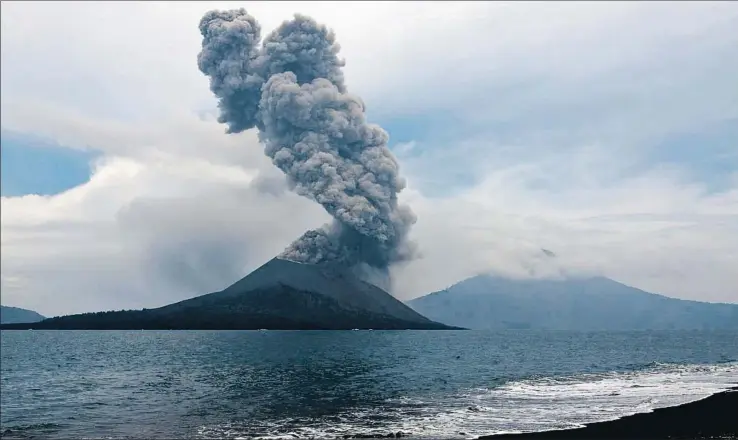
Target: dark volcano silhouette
x,y
280,295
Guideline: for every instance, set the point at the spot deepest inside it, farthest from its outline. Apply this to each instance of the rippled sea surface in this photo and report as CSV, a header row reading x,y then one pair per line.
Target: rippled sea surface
x,y
281,384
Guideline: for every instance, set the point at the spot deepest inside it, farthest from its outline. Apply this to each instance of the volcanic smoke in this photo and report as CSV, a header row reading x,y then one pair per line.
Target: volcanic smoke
x,y
291,88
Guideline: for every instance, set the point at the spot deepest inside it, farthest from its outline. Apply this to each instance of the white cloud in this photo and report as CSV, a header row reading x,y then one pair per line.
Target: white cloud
x,y
553,105
652,231
143,233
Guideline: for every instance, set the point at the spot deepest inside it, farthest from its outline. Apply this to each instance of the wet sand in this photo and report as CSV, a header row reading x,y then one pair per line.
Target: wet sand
x,y
710,418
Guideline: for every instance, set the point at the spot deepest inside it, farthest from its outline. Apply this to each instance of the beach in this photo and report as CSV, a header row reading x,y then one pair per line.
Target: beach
x,y
713,417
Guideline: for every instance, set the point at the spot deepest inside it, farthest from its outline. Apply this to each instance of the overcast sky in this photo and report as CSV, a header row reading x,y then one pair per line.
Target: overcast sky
x,y
604,132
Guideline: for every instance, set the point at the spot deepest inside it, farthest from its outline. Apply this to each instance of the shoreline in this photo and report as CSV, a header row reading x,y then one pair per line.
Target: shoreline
x,y
714,417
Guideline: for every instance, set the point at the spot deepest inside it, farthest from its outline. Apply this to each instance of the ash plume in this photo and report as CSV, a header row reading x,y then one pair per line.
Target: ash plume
x,y
291,88
230,46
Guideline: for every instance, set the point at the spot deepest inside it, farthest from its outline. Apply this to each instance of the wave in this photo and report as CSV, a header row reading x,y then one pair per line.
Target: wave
x,y
569,402
532,404
28,431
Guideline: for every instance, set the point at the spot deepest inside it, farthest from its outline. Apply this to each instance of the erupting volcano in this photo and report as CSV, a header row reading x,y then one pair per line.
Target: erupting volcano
x,y
291,88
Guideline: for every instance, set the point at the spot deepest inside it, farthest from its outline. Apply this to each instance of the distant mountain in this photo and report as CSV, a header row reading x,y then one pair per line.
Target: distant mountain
x,y
10,315
280,294
487,302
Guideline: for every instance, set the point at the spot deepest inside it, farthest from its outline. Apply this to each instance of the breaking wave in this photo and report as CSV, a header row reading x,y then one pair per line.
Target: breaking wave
x,y
533,404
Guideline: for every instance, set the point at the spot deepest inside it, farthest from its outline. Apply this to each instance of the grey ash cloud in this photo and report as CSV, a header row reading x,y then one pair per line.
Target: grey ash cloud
x,y
291,88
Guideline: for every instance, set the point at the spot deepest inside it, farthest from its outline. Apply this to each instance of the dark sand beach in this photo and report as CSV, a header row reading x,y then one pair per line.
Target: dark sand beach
x,y
715,417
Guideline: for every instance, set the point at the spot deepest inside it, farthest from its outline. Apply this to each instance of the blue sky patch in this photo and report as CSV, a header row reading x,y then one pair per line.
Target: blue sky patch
x,y
30,165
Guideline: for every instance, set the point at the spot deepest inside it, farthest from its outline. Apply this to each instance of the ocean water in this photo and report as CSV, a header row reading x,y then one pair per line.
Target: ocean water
x,y
281,384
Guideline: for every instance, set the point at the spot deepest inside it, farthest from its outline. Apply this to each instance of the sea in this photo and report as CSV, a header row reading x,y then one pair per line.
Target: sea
x,y
333,384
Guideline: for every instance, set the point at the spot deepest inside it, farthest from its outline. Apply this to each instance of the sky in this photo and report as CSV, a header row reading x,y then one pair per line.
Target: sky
x,y
604,132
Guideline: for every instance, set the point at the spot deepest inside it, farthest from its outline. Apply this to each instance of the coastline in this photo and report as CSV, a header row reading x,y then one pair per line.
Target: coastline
x,y
714,417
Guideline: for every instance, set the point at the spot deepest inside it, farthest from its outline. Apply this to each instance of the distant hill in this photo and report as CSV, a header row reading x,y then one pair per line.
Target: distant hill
x,y
487,302
10,315
280,294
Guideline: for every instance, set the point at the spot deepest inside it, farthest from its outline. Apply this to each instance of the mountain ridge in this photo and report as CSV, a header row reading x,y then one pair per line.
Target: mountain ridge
x,y
11,315
594,303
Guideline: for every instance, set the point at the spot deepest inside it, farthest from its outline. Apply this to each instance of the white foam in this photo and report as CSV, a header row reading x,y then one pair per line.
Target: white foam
x,y
521,406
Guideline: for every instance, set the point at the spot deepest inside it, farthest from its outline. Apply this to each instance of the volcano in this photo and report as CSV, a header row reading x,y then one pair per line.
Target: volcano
x,y
280,295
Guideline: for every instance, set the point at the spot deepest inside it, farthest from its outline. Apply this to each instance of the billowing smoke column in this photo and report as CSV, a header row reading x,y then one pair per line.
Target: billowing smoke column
x,y
292,89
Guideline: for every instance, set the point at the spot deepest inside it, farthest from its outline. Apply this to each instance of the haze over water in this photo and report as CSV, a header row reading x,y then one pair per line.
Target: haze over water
x,y
448,384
